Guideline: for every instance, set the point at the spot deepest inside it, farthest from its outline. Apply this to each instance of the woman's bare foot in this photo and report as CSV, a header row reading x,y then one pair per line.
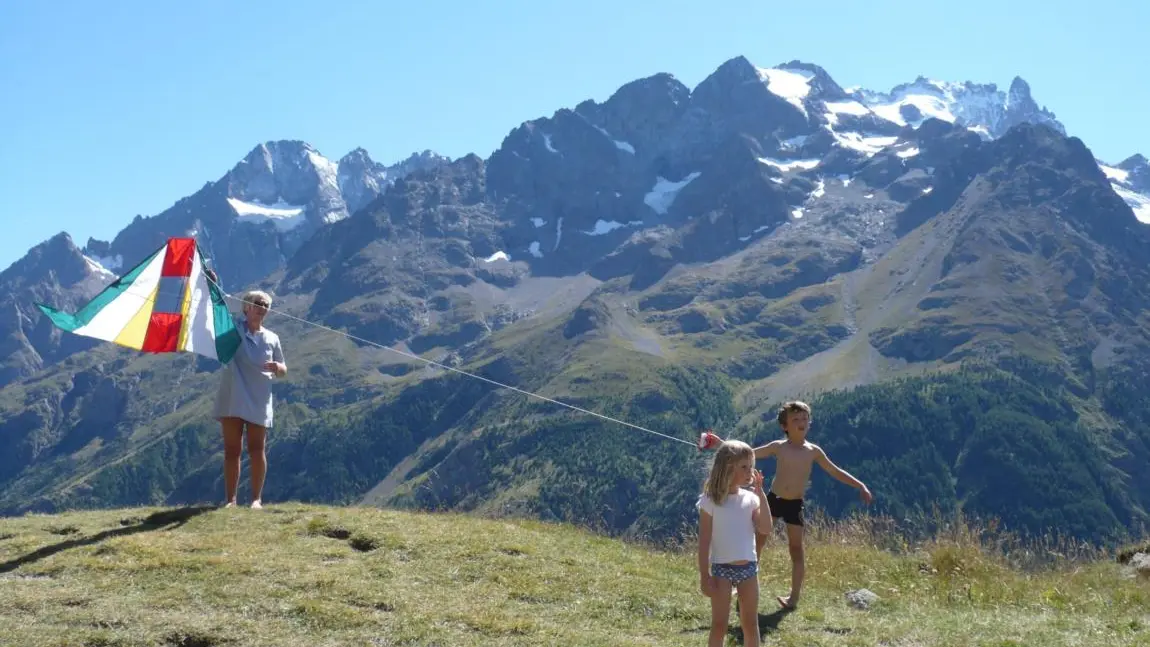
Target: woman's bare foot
x,y
256,505
787,602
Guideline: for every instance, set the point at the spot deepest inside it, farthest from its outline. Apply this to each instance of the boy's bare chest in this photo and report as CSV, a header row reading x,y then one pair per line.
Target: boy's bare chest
x,y
796,458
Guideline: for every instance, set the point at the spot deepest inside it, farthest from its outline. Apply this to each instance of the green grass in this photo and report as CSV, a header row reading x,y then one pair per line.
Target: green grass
x,y
309,575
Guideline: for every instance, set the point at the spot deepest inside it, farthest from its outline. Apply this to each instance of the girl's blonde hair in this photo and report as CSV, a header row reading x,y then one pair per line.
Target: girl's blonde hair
x,y
718,482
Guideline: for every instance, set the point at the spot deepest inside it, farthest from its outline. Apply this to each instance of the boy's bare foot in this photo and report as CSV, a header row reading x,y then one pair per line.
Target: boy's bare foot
x,y
787,603
256,505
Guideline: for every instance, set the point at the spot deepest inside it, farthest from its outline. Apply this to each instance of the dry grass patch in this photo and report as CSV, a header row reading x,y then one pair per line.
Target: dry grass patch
x,y
294,575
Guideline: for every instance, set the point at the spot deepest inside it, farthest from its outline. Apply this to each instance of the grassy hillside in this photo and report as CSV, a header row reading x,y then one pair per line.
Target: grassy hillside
x,y
296,574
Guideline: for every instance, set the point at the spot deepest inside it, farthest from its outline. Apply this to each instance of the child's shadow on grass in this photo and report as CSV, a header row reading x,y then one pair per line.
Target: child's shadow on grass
x,y
768,623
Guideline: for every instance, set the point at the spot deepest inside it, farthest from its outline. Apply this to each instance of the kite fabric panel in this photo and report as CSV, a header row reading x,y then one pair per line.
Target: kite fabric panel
x,y
165,304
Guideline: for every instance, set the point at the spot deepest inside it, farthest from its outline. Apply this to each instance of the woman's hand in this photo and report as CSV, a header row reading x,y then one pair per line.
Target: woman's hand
x,y
276,367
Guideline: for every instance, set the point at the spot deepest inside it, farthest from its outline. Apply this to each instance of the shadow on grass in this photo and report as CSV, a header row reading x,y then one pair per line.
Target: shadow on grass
x,y
164,519
768,622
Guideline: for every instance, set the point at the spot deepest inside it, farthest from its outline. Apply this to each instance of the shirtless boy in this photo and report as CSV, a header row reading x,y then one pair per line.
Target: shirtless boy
x,y
794,457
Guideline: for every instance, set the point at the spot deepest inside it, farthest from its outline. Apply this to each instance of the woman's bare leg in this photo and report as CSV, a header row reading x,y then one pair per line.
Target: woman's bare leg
x,y
233,432
257,436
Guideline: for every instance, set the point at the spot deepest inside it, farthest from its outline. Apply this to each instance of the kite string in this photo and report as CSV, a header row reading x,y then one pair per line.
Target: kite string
x,y
455,370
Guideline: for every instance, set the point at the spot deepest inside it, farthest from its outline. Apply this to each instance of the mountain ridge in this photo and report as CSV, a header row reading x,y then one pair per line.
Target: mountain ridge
x,y
679,258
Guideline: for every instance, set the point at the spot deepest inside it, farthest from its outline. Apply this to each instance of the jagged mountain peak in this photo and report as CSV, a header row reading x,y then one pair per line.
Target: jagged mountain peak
x,y
739,66
1134,162
982,107
362,179
1019,89
1131,181
359,155
1139,176
426,155
54,252
420,161
821,85
661,84
287,171
55,271
1137,169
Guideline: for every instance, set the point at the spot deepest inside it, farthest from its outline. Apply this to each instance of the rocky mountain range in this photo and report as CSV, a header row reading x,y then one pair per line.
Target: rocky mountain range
x,y
682,257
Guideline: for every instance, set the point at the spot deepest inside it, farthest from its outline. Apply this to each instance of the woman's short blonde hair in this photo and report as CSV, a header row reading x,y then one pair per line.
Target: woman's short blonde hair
x,y
257,297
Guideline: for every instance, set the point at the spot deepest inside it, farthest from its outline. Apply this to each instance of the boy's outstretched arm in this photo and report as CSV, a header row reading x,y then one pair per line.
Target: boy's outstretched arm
x,y
840,474
770,449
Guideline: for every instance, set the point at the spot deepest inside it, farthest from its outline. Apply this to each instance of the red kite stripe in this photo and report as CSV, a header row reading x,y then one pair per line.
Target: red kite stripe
x,y
163,334
178,257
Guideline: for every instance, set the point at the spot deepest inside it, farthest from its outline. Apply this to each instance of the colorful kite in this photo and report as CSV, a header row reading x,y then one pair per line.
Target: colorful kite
x,y
163,305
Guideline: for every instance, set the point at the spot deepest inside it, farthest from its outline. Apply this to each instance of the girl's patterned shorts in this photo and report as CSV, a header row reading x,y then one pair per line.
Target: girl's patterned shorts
x,y
735,572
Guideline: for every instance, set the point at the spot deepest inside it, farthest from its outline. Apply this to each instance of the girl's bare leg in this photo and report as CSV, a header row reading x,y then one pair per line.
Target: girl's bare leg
x,y
749,611
720,612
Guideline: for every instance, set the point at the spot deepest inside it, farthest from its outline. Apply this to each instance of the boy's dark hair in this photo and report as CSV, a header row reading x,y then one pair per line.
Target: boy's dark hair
x,y
788,407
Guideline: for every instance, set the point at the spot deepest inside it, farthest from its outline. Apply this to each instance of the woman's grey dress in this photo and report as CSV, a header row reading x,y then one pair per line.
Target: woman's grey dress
x,y
246,388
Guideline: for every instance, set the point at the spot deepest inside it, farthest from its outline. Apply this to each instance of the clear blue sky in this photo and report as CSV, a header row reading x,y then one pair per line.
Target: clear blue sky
x,y
113,109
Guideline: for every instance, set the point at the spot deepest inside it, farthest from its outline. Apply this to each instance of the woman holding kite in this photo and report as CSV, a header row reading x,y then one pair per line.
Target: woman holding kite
x,y
244,399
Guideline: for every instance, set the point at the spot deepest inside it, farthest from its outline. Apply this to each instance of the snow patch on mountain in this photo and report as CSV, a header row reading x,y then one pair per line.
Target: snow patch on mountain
x,y
285,216
794,143
547,142
110,262
926,106
604,227
621,145
607,226
836,108
1120,180
820,190
791,85
328,170
98,268
1117,175
868,145
759,229
1138,202
790,165
663,194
